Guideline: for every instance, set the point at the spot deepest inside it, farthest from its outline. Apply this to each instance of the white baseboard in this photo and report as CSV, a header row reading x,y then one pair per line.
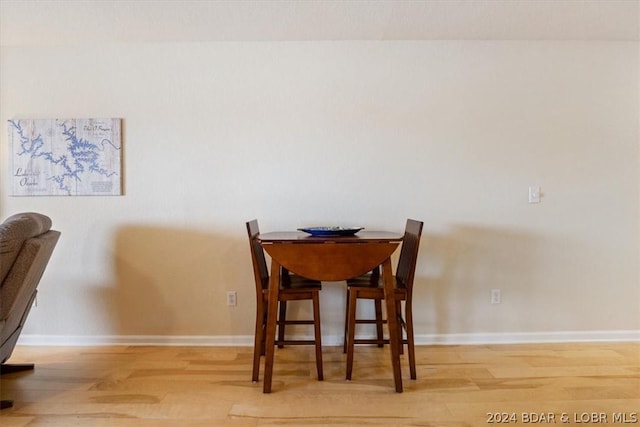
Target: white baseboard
x,y
247,340
161,340
529,337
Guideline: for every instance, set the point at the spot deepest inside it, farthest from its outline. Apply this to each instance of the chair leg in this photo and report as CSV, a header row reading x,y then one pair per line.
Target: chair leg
x,y
353,297
318,335
410,341
378,309
258,342
282,318
400,334
346,322
263,342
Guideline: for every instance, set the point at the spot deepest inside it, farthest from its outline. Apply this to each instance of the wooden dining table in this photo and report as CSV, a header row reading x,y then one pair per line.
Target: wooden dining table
x,y
330,259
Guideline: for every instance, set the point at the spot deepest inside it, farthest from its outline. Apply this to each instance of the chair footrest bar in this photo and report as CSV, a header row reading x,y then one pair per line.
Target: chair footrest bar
x,y
10,368
295,322
369,321
370,341
295,342
374,341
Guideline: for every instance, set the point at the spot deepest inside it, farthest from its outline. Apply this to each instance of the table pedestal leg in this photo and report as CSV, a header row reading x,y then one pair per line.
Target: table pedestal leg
x,y
392,323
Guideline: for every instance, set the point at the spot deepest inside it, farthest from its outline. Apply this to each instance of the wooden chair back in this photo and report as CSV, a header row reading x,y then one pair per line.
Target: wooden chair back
x,y
260,270
406,269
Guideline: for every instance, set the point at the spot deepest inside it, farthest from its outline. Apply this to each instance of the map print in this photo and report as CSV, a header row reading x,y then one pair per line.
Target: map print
x,y
65,157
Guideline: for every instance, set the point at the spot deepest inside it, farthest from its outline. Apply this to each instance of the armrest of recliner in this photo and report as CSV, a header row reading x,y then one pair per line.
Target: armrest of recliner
x,y
25,274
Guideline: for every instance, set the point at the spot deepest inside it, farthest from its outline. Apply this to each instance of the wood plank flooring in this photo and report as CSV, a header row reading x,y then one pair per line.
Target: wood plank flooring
x,y
564,384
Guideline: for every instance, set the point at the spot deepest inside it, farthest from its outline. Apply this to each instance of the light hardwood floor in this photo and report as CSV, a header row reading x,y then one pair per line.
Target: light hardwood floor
x,y
211,386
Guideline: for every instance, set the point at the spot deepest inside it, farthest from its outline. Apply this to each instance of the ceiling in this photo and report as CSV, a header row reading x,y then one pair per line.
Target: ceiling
x,y
45,22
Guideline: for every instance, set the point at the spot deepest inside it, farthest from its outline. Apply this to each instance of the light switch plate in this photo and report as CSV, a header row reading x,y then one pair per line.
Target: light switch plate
x,y
534,194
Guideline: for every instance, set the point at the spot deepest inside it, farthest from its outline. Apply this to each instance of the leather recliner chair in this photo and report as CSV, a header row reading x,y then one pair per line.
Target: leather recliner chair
x,y
26,245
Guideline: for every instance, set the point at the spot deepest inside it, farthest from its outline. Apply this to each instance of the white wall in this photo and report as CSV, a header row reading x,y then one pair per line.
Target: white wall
x,y
353,132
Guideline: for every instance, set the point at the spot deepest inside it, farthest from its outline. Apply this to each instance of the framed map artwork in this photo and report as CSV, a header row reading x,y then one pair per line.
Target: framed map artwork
x,y
65,157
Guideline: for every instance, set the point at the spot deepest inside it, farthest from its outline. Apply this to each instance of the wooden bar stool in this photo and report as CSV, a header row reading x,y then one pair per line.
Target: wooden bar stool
x,y
371,287
292,288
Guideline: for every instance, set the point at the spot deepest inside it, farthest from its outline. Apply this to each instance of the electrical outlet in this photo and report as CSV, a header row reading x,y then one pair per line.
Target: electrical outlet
x,y
496,297
232,298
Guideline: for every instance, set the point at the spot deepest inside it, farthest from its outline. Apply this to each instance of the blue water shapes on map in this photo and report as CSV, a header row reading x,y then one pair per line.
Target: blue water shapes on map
x,y
79,157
